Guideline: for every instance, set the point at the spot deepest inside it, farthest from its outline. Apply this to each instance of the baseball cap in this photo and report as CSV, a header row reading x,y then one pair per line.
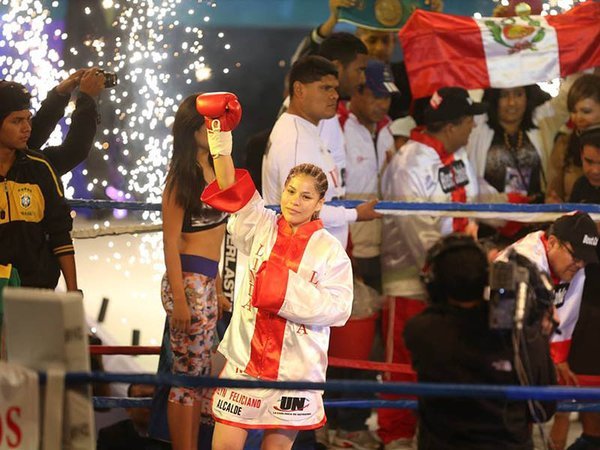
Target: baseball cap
x,y
451,103
580,231
402,126
380,80
13,97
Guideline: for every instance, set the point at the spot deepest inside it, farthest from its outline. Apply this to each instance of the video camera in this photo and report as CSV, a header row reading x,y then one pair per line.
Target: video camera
x,y
518,293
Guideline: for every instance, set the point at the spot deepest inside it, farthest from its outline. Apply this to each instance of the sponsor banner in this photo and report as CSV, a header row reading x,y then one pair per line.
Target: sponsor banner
x,y
19,408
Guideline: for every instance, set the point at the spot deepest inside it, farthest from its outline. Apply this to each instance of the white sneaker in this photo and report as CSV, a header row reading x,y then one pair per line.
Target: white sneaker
x,y
358,440
400,444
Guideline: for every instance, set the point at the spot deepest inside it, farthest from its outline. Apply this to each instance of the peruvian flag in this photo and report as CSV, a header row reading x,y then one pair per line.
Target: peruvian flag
x,y
445,50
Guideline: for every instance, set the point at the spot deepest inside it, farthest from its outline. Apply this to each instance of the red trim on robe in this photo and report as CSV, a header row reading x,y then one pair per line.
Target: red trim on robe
x,y
233,198
267,295
559,351
269,328
458,195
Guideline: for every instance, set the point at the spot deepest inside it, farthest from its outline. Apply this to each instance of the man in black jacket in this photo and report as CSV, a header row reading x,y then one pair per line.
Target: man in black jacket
x,y
451,342
35,221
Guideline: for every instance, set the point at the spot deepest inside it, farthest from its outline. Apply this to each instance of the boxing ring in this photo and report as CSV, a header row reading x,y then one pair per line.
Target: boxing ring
x,y
569,398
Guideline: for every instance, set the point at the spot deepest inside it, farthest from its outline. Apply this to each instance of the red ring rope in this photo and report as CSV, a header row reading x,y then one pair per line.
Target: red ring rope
x,y
336,362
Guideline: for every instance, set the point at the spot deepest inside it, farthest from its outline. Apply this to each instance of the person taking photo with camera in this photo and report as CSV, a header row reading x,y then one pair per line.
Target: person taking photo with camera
x,y
454,341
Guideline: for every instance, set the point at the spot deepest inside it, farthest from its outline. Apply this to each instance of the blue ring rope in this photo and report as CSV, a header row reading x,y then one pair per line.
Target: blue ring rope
x,y
382,205
418,389
131,402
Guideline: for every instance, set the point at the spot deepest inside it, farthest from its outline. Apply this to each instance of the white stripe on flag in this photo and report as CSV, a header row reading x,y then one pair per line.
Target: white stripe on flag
x,y
518,52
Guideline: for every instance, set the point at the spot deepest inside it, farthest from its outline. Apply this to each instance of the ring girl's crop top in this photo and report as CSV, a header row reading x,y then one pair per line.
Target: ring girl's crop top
x,y
204,219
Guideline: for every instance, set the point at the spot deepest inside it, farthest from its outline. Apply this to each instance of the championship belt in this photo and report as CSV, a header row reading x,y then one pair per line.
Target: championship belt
x,y
382,15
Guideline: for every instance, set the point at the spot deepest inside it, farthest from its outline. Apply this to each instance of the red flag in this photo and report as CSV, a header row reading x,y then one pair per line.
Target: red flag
x,y
445,50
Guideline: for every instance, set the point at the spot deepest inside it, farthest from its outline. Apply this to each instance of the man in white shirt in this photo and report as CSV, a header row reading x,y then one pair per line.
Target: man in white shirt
x,y
295,140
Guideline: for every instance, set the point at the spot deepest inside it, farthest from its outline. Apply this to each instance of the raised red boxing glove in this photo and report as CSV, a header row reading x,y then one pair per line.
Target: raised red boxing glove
x,y
222,110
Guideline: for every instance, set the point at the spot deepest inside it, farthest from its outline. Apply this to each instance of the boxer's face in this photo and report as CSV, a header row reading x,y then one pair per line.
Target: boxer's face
x,y
300,200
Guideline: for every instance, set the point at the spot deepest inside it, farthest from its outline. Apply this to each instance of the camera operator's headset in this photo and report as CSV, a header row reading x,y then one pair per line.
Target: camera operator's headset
x,y
448,244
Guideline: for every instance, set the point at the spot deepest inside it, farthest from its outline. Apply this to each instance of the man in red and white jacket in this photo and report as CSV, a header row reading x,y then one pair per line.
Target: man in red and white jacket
x,y
563,251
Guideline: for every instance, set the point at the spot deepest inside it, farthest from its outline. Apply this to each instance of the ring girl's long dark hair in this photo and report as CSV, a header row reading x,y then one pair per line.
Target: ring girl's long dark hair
x,y
185,177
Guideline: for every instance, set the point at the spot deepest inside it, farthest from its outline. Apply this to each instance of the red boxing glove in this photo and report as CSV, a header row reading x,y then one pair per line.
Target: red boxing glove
x,y
222,110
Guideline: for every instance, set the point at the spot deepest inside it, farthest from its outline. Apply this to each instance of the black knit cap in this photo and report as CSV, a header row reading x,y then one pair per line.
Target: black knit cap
x,y
13,97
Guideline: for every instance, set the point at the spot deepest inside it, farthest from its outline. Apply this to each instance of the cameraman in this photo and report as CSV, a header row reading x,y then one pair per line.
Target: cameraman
x,y
451,342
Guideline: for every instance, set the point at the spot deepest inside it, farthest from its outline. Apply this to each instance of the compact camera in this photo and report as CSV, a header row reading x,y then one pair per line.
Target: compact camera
x,y
110,78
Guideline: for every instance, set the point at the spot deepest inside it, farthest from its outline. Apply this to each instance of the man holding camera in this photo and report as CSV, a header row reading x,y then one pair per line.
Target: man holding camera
x,y
78,142
452,342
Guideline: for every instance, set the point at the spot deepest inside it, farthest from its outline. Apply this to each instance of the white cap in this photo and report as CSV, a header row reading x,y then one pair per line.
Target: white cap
x,y
402,126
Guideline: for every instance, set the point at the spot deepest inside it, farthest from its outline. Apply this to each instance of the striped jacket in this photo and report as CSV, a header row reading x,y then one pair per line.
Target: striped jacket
x,y
35,221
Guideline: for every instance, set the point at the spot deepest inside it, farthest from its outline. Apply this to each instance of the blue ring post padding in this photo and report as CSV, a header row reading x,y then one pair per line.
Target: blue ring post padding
x,y
419,389
128,402
382,205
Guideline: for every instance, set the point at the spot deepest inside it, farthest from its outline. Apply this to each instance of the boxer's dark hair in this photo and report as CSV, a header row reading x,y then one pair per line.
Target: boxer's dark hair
x,y
310,69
